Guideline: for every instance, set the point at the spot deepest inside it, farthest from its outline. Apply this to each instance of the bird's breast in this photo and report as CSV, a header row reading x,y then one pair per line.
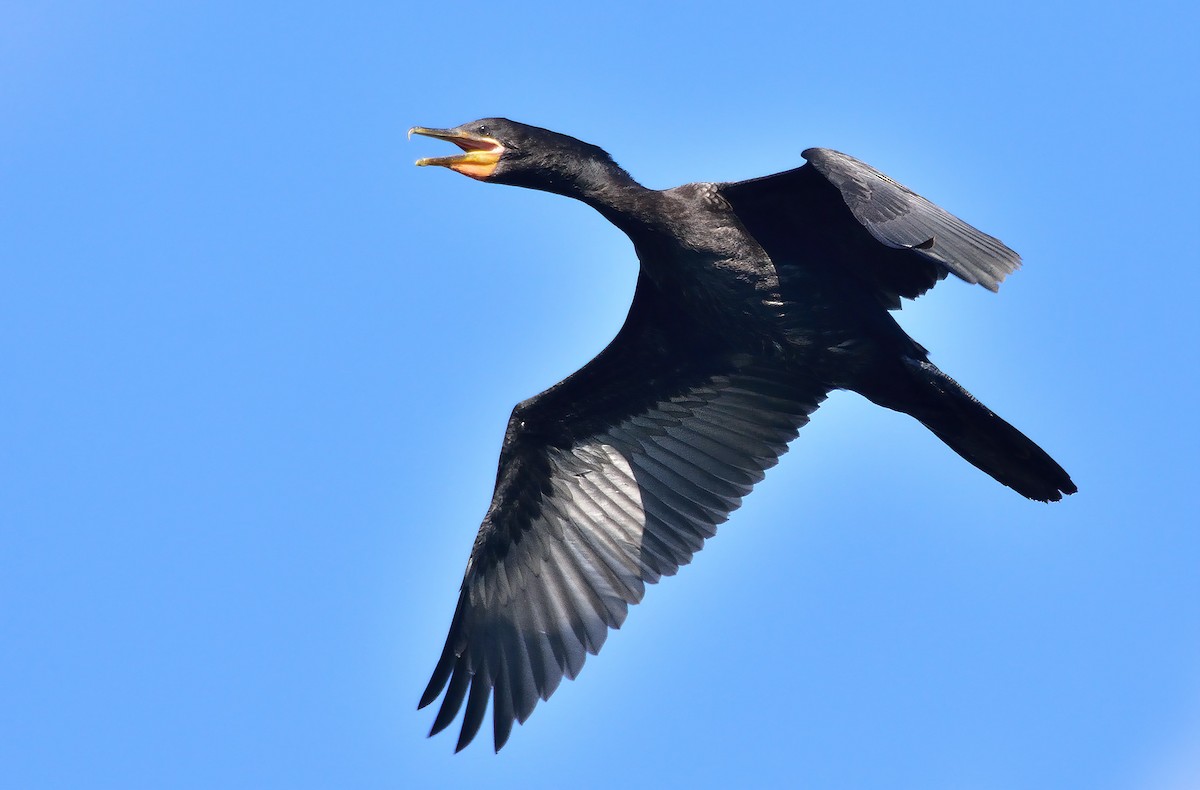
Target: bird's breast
x,y
729,290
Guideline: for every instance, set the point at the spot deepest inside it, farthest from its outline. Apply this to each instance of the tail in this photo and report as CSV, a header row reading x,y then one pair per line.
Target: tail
x,y
973,431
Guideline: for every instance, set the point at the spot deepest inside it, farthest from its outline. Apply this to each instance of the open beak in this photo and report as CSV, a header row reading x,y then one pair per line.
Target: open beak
x,y
479,157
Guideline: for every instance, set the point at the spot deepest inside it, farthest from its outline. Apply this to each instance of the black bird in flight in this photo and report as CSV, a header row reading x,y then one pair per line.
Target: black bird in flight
x,y
754,299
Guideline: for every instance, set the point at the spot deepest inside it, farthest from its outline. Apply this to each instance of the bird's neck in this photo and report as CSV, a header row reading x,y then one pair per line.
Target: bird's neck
x,y
606,187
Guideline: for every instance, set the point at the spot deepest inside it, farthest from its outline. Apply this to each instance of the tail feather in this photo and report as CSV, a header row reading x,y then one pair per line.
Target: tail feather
x,y
975,432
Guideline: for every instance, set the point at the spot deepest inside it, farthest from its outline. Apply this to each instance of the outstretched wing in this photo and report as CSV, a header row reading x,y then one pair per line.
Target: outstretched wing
x,y
607,481
921,242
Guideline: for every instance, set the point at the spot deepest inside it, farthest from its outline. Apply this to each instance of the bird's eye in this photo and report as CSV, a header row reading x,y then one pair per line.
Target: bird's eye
x,y
482,129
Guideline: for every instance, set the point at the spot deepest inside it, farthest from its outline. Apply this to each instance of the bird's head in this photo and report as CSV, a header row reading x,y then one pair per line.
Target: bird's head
x,y
506,152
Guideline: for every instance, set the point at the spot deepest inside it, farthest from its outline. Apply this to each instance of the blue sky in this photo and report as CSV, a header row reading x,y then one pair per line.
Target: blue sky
x,y
257,368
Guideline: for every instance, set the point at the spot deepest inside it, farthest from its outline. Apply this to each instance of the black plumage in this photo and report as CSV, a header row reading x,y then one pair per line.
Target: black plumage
x,y
754,300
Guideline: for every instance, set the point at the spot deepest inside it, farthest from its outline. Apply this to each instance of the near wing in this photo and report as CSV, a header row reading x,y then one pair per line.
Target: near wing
x,y
922,242
608,480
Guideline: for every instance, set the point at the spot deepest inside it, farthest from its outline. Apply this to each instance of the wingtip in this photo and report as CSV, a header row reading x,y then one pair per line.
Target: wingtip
x,y
502,729
1066,489
1057,491
465,736
437,726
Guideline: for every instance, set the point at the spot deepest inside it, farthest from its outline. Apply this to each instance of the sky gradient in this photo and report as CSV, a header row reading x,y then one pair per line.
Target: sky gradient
x,y
257,369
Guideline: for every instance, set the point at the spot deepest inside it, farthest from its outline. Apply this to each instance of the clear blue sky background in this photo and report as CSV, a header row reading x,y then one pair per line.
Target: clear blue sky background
x,y
256,369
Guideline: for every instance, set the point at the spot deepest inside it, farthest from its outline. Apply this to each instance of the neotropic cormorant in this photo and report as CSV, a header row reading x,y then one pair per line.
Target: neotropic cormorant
x,y
754,299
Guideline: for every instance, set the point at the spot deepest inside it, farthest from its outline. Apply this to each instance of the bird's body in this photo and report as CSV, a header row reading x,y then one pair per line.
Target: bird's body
x,y
754,300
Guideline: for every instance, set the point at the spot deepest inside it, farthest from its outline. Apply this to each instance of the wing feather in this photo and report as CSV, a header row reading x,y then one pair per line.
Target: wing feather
x,y
852,216
608,481
900,218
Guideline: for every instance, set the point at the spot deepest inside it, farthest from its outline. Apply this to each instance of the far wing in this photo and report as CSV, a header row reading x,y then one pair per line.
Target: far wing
x,y
611,479
922,242
899,217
